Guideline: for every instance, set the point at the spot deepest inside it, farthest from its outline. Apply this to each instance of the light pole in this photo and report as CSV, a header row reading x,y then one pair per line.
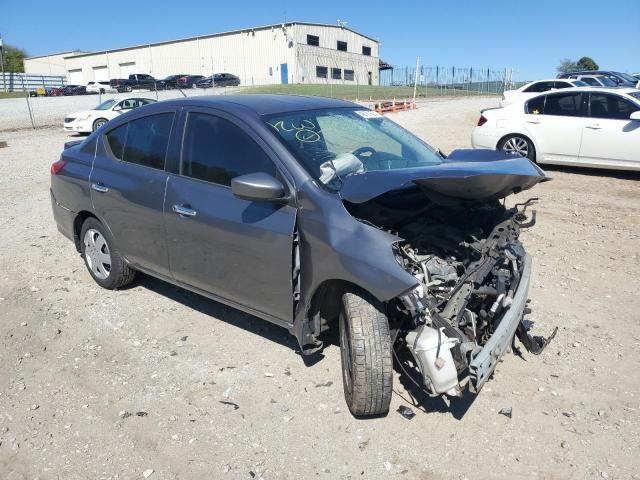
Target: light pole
x,y
4,80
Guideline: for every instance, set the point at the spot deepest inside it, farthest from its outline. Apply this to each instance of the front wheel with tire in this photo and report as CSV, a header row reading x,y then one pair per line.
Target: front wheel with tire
x,y
102,258
99,123
518,144
365,350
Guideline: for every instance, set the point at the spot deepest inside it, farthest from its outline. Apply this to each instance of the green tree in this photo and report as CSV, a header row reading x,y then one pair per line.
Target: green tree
x,y
13,58
587,63
567,65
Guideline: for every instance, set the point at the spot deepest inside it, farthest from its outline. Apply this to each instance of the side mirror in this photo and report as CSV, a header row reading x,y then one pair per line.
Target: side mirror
x,y
635,116
258,187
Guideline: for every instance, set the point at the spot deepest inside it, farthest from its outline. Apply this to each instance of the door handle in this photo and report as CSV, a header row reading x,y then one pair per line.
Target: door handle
x,y
98,187
184,211
594,126
533,120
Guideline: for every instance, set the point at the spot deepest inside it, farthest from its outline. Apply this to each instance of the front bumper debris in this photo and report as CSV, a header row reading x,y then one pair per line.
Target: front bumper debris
x,y
485,362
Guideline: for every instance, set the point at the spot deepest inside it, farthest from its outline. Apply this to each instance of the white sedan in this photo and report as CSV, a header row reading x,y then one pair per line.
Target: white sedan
x,y
534,88
88,121
100,87
587,127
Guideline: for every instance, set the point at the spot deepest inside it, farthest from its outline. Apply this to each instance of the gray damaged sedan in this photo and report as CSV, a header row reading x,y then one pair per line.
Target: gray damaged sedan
x,y
314,214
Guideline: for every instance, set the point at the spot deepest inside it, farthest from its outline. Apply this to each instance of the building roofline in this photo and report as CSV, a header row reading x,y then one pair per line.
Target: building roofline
x,y
57,53
219,34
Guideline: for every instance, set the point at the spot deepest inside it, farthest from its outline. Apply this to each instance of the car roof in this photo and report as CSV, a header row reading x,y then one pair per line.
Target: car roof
x,y
263,104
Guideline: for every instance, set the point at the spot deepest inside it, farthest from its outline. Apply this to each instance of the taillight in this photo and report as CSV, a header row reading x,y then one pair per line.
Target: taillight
x,y
482,120
56,167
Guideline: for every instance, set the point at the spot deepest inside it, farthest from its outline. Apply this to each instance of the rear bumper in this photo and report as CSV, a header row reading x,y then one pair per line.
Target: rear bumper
x,y
64,218
480,140
485,362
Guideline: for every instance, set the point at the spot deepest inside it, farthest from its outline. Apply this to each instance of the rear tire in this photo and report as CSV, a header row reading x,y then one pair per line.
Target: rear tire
x,y
102,258
365,348
518,144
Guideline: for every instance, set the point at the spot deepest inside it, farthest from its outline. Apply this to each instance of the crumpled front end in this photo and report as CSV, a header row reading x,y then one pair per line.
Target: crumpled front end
x,y
473,275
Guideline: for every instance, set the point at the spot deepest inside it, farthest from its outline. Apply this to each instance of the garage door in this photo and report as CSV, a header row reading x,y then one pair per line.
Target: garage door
x,y
100,74
127,69
75,77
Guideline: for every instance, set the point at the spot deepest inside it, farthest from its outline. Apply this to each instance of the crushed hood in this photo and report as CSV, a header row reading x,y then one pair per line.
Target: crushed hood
x,y
464,175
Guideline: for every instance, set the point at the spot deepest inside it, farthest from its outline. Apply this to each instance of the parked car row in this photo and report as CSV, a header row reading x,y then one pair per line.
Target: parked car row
x,y
139,81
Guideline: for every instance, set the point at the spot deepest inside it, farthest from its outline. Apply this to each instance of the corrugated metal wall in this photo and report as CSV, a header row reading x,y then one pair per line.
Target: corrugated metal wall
x,y
257,56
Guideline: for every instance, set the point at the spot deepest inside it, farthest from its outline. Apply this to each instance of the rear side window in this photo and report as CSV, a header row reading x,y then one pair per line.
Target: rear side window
x,y
566,105
561,85
143,141
216,150
535,106
611,106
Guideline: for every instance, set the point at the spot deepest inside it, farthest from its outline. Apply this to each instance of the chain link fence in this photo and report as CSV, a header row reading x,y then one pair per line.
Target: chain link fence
x,y
452,81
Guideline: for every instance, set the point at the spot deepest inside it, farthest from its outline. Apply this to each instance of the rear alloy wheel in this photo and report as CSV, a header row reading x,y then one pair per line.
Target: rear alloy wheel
x,y
99,123
102,259
520,145
365,351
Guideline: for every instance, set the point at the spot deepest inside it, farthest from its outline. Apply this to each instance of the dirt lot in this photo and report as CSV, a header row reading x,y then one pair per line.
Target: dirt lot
x,y
117,385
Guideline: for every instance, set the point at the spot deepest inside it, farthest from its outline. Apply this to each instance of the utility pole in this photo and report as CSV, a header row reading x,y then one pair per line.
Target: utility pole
x,y
4,80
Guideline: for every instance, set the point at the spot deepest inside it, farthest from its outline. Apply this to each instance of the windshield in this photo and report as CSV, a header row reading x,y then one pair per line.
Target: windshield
x,y
627,77
106,105
607,82
334,143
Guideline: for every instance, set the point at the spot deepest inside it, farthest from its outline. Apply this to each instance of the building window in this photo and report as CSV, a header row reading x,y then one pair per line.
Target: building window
x,y
342,46
348,75
271,71
321,72
336,74
313,40
366,51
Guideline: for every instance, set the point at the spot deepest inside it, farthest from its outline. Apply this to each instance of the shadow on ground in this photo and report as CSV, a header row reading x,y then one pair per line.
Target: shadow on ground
x,y
218,311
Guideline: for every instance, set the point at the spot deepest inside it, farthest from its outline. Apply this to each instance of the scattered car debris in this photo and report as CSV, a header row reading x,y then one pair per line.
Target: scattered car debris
x,y
142,413
234,405
507,412
326,384
124,414
406,412
148,473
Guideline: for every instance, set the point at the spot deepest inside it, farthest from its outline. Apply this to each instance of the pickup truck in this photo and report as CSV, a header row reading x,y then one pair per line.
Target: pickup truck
x,y
136,81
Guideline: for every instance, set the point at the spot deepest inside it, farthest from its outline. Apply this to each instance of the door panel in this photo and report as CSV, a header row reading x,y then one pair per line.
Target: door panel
x,y
555,123
607,140
233,248
128,182
132,208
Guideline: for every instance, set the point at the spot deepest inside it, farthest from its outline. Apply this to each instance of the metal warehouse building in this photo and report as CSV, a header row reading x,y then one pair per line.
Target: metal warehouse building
x,y
293,52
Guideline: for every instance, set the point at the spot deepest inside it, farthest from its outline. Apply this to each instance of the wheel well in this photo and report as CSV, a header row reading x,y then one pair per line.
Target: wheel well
x,y
324,307
77,226
516,135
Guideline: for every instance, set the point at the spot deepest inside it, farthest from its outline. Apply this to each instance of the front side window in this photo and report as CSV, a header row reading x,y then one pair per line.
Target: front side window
x,y
561,85
539,87
614,107
342,46
143,141
215,150
321,72
566,105
334,143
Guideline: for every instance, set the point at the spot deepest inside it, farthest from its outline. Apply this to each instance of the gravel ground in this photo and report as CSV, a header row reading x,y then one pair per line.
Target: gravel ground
x,y
156,382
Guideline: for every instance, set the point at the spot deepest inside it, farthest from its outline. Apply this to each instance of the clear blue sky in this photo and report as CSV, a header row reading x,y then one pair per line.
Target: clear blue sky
x,y
530,37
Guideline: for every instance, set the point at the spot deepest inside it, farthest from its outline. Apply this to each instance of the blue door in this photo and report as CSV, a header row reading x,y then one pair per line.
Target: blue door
x,y
284,73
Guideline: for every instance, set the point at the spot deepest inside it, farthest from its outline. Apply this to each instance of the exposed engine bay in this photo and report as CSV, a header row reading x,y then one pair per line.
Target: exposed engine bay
x,y
468,261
